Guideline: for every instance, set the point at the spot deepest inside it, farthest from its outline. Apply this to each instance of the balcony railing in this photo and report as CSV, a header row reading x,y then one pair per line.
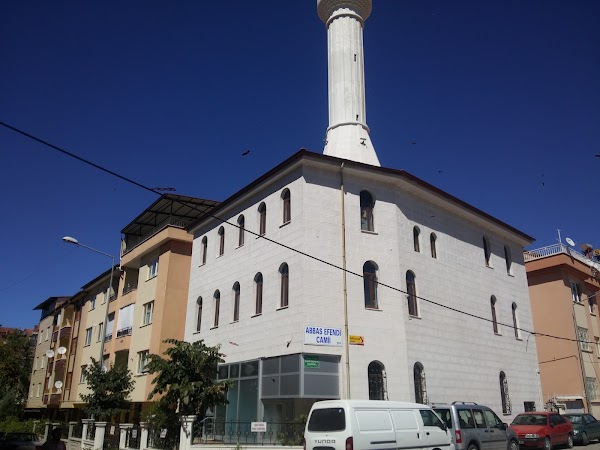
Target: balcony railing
x,y
129,288
556,249
108,337
124,332
134,242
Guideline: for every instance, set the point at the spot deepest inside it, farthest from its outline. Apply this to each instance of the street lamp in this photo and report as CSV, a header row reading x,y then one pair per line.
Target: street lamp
x,y
72,240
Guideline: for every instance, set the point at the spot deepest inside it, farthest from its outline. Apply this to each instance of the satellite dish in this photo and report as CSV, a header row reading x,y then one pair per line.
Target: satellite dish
x,y
585,247
61,350
58,384
570,242
50,353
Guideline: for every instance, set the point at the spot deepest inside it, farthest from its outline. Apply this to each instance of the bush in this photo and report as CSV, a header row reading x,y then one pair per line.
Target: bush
x,y
15,425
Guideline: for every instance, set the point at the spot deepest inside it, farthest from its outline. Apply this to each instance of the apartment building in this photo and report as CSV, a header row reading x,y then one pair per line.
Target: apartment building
x,y
564,285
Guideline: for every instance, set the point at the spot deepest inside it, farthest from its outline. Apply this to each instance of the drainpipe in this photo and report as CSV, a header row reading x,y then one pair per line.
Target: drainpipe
x,y
579,352
345,287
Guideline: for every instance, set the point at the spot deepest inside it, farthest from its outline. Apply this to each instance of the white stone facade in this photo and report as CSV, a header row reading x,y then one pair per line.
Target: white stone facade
x,y
461,355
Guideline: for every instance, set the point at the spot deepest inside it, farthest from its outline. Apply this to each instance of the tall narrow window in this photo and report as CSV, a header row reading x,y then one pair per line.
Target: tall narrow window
x,y
506,406
377,381
576,292
494,316
592,304
515,318
487,252
217,301
508,259
198,313
285,284
221,241
366,211
416,239
258,282
432,243
142,362
287,211
411,294
204,249
241,224
262,219
420,386
236,301
370,284
153,267
148,312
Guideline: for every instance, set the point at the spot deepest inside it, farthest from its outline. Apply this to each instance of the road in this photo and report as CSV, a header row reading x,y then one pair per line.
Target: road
x,y
595,445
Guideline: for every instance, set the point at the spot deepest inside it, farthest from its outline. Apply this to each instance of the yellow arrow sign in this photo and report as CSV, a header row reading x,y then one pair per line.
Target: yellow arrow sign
x,y
357,340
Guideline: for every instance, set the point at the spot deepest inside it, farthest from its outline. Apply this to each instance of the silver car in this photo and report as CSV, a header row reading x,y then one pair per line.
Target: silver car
x,y
476,427
20,441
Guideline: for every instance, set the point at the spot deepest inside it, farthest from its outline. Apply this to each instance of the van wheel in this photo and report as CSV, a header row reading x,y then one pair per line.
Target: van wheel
x,y
472,447
513,445
570,441
547,444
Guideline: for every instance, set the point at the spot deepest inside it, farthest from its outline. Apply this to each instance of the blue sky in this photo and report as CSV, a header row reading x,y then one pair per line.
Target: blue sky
x,y
501,98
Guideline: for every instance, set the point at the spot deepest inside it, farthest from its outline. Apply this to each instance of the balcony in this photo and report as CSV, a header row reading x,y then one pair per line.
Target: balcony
x,y
54,399
65,332
557,249
129,288
60,367
124,332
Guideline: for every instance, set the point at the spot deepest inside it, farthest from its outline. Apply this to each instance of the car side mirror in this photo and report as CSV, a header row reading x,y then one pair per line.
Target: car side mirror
x,y
503,426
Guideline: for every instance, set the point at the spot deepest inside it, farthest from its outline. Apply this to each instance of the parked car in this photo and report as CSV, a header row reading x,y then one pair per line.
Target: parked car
x,y
373,424
20,441
476,427
585,428
543,430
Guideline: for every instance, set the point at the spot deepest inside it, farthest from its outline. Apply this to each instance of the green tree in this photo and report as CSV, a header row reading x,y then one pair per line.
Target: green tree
x,y
186,381
109,390
16,360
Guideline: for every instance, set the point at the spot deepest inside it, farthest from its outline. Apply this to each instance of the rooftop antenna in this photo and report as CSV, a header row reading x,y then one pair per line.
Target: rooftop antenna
x,y
559,239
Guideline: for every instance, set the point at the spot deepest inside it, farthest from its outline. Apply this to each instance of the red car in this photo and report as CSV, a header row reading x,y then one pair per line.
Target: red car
x,y
543,430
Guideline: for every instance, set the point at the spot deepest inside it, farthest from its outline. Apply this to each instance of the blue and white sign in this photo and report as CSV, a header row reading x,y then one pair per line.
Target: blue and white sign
x,y
331,337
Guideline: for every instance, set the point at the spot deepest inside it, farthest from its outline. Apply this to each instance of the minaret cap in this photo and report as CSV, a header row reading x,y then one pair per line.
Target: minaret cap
x,y
327,7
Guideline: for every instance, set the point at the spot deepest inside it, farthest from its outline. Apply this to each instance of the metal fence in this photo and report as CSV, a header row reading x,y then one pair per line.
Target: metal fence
x,y
111,436
132,437
212,431
77,430
91,432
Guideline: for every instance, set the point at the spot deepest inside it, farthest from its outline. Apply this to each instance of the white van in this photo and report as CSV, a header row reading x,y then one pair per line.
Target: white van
x,y
371,424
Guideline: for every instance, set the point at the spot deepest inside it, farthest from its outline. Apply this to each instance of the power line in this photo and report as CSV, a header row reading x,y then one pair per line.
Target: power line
x,y
205,213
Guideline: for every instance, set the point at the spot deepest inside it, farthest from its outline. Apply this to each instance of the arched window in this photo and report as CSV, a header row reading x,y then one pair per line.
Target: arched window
x,y
285,284
204,249
487,252
217,301
287,211
416,238
262,219
198,313
221,241
494,316
258,282
432,243
515,317
411,291
236,301
370,284
506,406
366,211
377,381
420,386
508,259
241,224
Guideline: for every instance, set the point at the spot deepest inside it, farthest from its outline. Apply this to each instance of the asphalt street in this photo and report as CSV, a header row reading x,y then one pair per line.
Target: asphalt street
x,y
594,445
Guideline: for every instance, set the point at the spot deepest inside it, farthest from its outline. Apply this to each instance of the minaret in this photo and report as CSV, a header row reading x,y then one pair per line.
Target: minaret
x,y
348,133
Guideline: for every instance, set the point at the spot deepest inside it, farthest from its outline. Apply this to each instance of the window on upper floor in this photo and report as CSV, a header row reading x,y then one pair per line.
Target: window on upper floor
x,y
284,273
286,204
370,284
241,226
377,381
82,377
515,317
142,364
433,245
487,251
508,259
217,303
258,286
198,313
221,241
576,292
125,321
43,362
262,219
148,312
411,294
88,336
93,302
153,267
583,337
204,249
38,389
100,332
494,315
506,406
110,326
592,304
366,211
417,239
236,301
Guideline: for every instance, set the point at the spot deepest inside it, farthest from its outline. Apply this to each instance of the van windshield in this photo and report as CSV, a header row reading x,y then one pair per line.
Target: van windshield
x,y
327,419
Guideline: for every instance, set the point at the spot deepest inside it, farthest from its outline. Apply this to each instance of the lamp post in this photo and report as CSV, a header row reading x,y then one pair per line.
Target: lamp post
x,y
72,240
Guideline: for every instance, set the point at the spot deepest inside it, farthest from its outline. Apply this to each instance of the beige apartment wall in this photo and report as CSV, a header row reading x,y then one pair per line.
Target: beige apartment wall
x,y
38,374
